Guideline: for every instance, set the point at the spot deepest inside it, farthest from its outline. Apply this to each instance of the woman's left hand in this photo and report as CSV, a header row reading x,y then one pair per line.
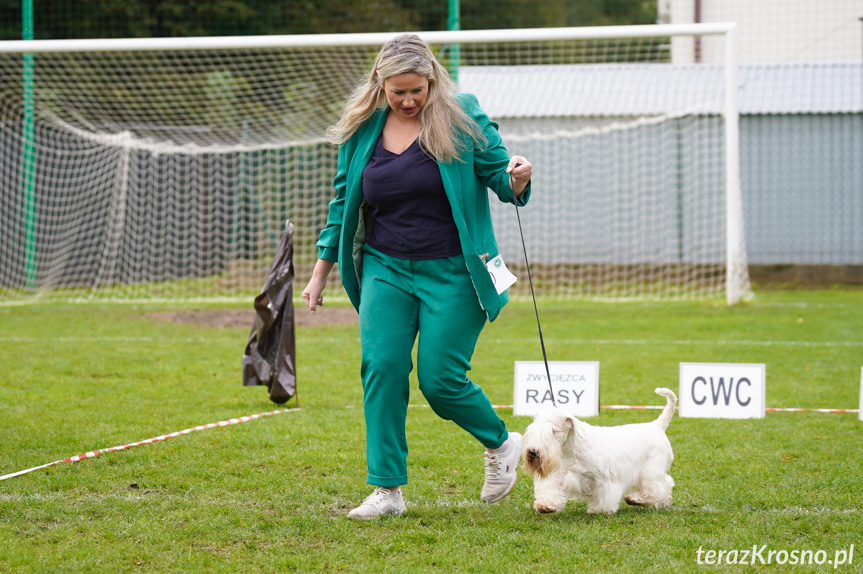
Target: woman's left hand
x,y
520,171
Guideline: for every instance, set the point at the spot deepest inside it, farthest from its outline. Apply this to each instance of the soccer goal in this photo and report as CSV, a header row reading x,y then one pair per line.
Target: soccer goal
x,y
166,169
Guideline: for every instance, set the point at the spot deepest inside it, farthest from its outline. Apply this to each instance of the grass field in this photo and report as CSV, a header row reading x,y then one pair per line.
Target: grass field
x,y
272,495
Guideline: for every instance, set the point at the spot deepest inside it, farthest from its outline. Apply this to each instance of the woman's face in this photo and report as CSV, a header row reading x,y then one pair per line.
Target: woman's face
x,y
406,94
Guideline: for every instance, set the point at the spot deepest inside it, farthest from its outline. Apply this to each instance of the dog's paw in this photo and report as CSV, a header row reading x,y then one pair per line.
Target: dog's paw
x,y
635,499
665,502
545,506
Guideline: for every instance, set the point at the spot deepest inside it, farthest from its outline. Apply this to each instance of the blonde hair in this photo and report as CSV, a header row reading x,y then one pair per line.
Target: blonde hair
x,y
443,123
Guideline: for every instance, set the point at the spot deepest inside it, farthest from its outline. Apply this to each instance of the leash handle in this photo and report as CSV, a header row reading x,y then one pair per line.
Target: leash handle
x,y
533,295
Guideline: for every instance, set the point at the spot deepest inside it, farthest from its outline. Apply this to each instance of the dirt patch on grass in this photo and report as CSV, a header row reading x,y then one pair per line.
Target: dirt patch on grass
x,y
245,318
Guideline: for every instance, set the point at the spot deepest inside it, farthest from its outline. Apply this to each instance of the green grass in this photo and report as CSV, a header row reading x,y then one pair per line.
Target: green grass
x,y
272,495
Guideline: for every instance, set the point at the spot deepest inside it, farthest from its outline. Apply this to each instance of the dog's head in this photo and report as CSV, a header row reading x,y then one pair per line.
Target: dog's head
x,y
543,439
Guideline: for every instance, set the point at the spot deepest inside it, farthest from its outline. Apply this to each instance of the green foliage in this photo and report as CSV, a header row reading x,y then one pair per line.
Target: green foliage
x,y
175,18
271,495
481,14
10,20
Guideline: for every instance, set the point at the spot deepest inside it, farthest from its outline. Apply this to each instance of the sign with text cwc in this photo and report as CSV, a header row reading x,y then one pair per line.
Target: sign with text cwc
x,y
722,390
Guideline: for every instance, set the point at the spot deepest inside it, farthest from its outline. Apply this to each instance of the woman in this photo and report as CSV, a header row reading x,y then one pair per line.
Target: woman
x,y
411,231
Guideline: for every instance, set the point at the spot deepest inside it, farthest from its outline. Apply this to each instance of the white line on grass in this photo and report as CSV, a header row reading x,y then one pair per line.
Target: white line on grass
x,y
440,502
788,511
88,339
803,305
509,340
696,343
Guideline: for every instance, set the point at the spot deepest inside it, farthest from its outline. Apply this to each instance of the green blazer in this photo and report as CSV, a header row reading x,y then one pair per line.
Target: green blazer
x,y
465,183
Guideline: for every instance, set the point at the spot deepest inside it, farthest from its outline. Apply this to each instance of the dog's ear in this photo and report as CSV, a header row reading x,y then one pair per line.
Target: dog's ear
x,y
572,424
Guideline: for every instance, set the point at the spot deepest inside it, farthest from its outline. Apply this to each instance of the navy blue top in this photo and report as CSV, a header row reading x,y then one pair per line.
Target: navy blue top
x,y
412,215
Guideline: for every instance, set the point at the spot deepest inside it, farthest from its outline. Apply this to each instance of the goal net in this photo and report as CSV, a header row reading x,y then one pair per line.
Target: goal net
x,y
167,169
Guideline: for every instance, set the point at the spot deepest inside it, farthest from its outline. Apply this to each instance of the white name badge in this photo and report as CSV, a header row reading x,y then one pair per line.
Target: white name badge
x,y
722,390
500,275
575,387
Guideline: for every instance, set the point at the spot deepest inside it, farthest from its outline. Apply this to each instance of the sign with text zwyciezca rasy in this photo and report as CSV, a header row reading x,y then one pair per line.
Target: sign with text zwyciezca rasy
x,y
575,385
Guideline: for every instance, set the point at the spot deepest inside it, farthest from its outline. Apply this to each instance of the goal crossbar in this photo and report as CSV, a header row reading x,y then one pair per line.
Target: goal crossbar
x,y
363,39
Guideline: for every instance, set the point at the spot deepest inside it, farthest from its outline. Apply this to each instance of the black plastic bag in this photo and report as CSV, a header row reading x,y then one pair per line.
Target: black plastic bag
x,y
270,357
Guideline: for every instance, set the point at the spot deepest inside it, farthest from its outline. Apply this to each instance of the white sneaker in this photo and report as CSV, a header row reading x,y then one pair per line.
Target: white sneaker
x,y
381,502
501,470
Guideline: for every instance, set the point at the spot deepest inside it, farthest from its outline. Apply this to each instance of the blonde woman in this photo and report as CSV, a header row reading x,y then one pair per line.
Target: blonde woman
x,y
411,231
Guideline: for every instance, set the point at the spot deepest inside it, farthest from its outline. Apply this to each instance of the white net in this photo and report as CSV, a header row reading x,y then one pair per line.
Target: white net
x,y
156,174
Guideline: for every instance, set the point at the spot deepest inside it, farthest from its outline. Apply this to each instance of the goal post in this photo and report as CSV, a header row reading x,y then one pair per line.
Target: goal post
x,y
166,168
736,273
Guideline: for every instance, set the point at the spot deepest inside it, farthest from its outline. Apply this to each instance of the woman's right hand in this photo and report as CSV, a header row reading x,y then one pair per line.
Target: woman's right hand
x,y
313,294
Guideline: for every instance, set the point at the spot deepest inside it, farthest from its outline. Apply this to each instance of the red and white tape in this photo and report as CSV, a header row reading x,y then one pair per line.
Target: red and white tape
x,y
234,421
658,407
95,453
770,410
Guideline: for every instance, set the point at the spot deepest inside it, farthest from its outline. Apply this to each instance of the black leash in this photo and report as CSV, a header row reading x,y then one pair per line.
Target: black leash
x,y
533,295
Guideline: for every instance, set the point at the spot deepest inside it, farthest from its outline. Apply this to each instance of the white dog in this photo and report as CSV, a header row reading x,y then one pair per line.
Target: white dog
x,y
570,460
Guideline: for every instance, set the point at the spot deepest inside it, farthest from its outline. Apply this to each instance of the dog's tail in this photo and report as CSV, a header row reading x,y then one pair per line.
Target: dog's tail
x,y
668,412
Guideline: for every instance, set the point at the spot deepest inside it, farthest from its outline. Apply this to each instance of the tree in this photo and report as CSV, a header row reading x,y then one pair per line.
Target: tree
x,y
172,18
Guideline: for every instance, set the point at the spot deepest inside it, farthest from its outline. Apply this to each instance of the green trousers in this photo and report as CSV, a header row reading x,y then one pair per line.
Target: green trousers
x,y
434,299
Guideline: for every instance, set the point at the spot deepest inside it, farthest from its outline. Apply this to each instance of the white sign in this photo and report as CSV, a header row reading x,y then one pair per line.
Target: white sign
x,y
575,384
722,390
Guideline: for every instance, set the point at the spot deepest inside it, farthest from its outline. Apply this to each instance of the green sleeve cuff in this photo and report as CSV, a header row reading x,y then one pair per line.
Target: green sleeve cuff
x,y
328,254
522,199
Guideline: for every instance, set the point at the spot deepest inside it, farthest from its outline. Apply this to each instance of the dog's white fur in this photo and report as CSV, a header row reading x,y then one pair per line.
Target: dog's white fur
x,y
571,460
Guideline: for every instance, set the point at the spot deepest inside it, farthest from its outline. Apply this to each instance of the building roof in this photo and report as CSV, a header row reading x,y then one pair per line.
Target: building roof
x,y
652,89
